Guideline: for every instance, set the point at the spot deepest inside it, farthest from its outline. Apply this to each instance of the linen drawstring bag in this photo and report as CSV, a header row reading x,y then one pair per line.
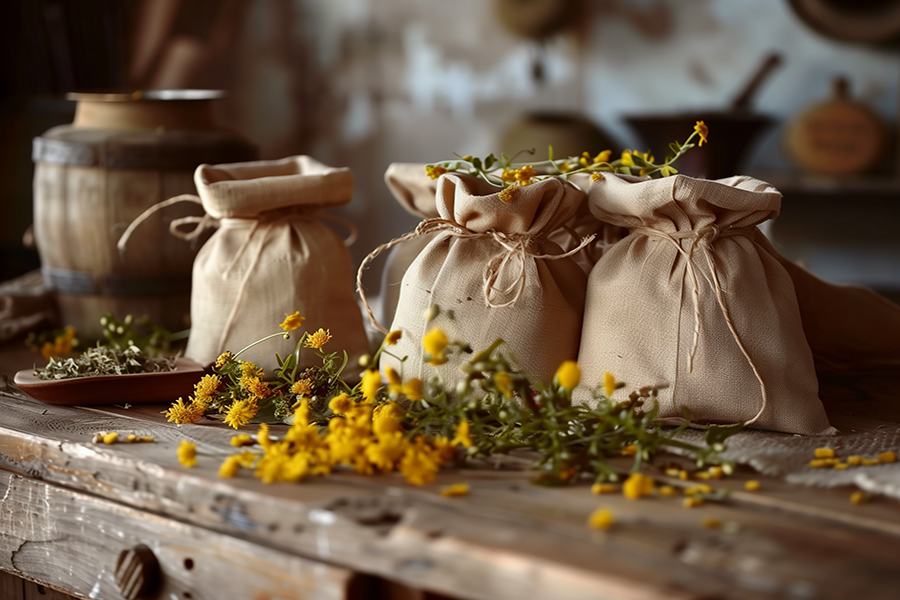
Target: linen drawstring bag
x,y
270,255
848,327
491,264
415,192
689,299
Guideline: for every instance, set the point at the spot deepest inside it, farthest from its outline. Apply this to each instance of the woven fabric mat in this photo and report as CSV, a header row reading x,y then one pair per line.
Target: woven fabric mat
x,y
865,408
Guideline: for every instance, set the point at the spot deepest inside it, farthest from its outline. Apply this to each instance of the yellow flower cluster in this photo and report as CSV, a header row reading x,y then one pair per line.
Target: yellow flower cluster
x,y
318,339
435,171
61,344
366,437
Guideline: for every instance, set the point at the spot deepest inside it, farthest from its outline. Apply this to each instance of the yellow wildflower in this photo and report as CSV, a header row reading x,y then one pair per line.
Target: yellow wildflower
x,y
393,337
565,167
419,463
525,174
386,419
601,519
371,383
187,453
385,453
508,176
627,160
504,383
249,369
603,157
456,490
462,435
445,451
412,389
302,387
292,322
824,453
597,177
258,388
223,358
301,411
637,486
395,384
703,130
507,194
181,413
752,485
242,439
568,375
230,466
887,457
609,384
854,461
318,339
435,342
435,171
340,404
604,488
207,387
240,412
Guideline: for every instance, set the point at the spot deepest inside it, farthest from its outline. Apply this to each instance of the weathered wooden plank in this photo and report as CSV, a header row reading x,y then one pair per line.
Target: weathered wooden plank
x,y
71,541
508,539
11,587
36,591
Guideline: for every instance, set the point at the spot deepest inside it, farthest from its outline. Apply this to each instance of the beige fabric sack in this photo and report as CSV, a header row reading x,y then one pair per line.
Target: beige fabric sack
x,y
690,299
492,265
848,327
270,256
415,192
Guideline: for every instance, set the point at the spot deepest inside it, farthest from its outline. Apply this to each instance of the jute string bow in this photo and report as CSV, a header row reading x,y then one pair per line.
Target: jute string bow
x,y
703,240
265,220
514,247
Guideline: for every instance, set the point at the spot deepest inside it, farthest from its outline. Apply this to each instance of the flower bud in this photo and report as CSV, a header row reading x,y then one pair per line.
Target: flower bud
x,y
364,361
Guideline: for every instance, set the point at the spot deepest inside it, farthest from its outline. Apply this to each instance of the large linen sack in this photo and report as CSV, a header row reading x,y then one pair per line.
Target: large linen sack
x,y
491,264
848,327
415,192
690,299
270,256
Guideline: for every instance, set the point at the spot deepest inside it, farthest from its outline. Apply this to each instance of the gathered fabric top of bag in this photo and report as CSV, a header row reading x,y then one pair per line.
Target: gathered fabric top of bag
x,y
662,205
413,188
244,190
535,210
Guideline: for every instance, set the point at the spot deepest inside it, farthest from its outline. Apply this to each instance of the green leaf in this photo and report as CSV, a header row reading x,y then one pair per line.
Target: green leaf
x,y
489,161
549,152
719,433
476,162
504,160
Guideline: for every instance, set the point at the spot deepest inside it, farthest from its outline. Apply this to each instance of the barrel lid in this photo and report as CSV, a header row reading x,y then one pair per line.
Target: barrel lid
x,y
144,95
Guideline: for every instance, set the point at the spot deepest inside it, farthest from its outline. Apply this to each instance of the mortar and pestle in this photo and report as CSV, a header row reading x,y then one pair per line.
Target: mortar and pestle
x,y
731,132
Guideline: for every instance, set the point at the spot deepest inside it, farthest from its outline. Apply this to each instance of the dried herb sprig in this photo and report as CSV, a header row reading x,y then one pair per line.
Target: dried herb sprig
x,y
100,360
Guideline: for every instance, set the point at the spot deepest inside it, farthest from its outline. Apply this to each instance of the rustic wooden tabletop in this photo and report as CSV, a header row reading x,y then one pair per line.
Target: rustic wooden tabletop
x,y
69,508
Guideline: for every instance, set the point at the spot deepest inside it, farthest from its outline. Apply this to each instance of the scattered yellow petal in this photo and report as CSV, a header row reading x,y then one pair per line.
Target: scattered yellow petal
x,y
841,466
130,437
629,450
435,342
691,502
110,438
604,488
667,491
230,466
711,523
637,486
702,475
887,457
859,497
601,519
868,462
752,485
824,453
187,453
609,384
673,472
698,489
854,461
393,337
242,439
716,472
455,490
684,475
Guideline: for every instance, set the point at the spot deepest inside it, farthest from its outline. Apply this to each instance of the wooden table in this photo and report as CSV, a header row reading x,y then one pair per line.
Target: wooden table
x,y
69,507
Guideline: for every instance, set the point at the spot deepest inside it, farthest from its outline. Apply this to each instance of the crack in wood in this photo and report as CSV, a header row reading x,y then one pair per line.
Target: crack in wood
x,y
233,512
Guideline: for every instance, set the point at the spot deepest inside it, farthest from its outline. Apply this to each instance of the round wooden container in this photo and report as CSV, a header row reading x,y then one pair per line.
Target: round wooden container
x,y
123,154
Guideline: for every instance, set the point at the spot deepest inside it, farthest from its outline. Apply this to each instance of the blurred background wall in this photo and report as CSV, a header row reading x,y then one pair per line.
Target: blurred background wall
x,y
363,83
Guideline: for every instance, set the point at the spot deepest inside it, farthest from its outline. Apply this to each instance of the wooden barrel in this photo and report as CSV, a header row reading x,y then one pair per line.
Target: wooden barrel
x,y
123,154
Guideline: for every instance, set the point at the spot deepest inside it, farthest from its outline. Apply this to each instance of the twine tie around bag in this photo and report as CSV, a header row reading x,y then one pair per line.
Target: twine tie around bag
x,y
703,240
515,246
